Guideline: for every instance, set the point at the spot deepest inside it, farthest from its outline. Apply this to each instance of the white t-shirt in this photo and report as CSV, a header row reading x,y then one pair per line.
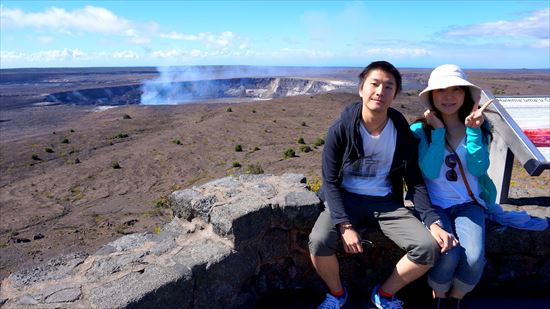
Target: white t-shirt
x,y
369,175
445,193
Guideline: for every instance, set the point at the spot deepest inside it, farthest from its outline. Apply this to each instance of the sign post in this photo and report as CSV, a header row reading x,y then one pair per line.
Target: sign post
x,y
511,141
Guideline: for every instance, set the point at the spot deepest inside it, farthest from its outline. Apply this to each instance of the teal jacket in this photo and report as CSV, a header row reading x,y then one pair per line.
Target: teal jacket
x,y
431,156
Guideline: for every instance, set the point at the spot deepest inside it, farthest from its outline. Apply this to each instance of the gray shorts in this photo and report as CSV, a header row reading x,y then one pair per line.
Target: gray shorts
x,y
396,222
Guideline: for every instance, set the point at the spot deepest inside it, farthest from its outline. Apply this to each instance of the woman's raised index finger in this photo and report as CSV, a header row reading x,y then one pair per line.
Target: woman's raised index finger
x,y
485,105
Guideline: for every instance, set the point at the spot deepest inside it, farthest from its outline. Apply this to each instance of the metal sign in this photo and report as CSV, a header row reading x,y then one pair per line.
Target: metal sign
x,y
518,123
532,115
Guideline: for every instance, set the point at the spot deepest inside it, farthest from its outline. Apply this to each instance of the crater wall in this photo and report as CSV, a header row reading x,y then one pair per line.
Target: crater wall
x,y
157,92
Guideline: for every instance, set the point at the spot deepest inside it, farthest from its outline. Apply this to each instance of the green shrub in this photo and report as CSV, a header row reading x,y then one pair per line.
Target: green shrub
x,y
229,110
176,141
48,150
256,148
126,116
121,228
254,111
71,130
305,148
238,148
76,161
162,202
254,169
319,142
121,135
115,165
65,141
498,90
304,124
34,156
301,141
235,164
289,153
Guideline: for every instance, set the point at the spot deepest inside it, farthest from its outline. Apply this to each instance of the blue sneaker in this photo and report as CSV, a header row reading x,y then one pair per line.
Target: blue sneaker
x,y
332,302
384,303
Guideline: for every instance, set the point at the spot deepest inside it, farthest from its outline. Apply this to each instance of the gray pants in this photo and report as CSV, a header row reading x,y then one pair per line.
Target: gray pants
x,y
396,222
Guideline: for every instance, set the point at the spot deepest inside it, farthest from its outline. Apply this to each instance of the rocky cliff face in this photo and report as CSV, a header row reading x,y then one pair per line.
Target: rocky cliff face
x,y
158,92
232,242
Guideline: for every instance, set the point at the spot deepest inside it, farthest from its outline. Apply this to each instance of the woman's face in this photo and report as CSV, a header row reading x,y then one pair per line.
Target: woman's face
x,y
449,100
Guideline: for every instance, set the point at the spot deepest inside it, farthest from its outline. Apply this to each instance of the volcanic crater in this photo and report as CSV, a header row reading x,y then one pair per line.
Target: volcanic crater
x,y
172,92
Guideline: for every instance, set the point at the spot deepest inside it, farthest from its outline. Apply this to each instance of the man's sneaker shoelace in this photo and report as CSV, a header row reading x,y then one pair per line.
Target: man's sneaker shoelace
x,y
332,302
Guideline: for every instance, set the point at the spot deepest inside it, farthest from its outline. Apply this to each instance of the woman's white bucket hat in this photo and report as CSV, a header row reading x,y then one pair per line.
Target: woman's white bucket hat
x,y
448,75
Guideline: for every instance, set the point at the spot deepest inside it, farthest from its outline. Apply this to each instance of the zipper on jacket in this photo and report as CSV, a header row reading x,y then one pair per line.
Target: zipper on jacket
x,y
402,165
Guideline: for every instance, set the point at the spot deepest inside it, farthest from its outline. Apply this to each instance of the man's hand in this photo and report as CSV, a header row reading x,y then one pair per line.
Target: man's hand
x,y
445,239
351,239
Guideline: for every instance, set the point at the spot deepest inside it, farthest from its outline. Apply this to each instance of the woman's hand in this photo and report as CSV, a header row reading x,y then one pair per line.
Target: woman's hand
x,y
476,119
352,240
433,120
444,239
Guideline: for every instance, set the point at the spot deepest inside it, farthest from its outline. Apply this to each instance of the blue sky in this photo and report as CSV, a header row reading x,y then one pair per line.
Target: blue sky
x,y
472,34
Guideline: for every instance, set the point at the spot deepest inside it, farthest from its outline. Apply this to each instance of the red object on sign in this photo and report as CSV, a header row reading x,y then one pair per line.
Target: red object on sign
x,y
539,137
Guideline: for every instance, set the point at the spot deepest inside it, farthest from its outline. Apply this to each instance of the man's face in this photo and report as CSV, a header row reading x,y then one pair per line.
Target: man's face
x,y
378,91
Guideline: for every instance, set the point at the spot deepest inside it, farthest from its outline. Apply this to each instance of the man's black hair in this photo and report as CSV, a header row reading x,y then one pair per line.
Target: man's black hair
x,y
385,67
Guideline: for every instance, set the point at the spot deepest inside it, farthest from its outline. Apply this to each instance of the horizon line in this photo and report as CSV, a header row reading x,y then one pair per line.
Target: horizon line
x,y
246,65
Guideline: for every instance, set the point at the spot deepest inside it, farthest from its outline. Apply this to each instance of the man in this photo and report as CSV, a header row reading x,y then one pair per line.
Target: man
x,y
368,152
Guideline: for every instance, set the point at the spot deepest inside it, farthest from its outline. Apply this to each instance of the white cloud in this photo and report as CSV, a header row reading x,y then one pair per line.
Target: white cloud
x,y
544,43
187,54
90,19
537,26
65,55
126,54
137,38
245,44
224,39
179,53
414,52
179,36
166,53
55,55
291,54
10,56
211,40
310,53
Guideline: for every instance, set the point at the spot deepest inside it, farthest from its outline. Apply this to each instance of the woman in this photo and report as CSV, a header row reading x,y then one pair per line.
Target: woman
x,y
453,137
